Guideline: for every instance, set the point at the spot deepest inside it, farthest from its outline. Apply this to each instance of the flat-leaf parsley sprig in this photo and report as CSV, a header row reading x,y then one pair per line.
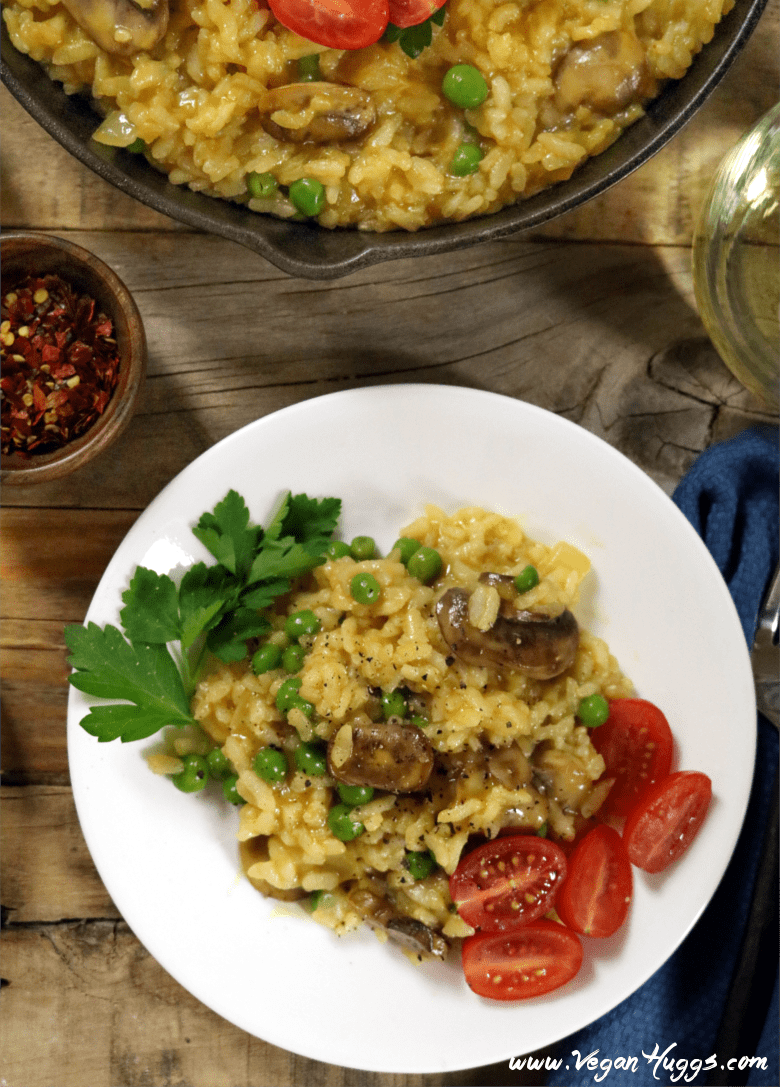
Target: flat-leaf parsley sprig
x,y
150,667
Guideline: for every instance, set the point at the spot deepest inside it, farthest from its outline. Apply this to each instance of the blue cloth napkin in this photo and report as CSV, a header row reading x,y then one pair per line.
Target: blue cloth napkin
x,y
730,496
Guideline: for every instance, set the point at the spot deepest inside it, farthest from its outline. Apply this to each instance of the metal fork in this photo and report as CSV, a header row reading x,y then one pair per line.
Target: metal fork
x,y
754,976
765,656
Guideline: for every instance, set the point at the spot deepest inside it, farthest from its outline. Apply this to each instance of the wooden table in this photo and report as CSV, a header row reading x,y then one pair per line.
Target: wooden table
x,y
592,317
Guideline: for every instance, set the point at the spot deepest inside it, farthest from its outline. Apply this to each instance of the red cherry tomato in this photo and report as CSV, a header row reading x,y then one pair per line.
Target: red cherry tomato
x,y
636,744
596,893
666,821
405,13
337,24
530,961
507,882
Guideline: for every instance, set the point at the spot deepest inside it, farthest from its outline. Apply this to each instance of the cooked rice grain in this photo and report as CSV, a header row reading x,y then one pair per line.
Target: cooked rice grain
x,y
196,101
474,715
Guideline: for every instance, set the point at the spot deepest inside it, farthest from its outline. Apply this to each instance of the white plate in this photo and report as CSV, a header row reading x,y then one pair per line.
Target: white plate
x,y
169,860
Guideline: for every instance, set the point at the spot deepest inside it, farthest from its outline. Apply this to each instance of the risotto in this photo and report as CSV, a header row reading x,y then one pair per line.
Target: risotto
x,y
400,712
505,99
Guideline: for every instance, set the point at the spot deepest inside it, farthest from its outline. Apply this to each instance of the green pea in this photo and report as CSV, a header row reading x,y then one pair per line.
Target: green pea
x,y
309,68
593,710
271,764
419,721
407,546
338,549
287,694
542,831
355,795
306,707
420,865
365,588
311,760
393,704
527,579
230,791
466,160
267,657
219,764
193,775
300,623
321,900
293,658
308,195
138,146
261,186
425,564
362,547
341,825
465,86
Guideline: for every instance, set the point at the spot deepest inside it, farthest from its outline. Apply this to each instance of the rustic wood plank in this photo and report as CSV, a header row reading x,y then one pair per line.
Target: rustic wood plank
x,y
590,332
660,202
117,1002
99,1010
51,561
47,872
50,564
655,205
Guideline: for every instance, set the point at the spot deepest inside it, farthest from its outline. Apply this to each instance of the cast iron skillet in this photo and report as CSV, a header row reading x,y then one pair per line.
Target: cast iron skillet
x,y
310,251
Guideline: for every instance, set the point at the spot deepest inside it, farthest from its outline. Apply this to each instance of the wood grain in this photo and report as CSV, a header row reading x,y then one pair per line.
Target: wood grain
x,y
656,205
592,317
594,333
118,1003
50,565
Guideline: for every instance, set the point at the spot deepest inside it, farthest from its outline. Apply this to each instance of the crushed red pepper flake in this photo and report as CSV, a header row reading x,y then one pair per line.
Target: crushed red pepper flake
x,y
60,365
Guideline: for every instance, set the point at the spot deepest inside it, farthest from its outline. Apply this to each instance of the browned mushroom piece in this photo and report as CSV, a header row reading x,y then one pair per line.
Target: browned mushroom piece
x,y
121,27
407,931
606,74
383,754
562,777
317,112
254,851
536,643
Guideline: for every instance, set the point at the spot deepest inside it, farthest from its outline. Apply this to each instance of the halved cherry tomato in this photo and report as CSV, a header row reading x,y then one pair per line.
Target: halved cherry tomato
x,y
531,961
507,882
636,744
405,13
596,893
337,24
666,821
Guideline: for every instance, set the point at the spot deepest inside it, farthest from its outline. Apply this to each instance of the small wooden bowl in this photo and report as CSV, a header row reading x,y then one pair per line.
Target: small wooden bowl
x,y
23,254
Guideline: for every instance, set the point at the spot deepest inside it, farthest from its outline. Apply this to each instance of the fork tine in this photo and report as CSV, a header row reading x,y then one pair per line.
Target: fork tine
x,y
765,655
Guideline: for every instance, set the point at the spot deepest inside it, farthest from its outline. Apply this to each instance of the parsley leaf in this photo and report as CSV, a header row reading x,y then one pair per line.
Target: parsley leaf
x,y
204,594
107,666
215,609
151,612
413,39
227,641
227,535
311,520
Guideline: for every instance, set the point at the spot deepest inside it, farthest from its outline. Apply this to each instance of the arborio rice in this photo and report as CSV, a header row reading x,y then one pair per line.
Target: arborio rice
x,y
219,100
507,749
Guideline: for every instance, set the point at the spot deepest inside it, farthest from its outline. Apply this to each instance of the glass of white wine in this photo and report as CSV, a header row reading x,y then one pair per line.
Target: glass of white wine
x,y
736,260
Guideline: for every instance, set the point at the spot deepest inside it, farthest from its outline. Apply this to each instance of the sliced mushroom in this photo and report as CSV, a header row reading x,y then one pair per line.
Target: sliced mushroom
x,y
606,74
529,817
562,777
383,754
254,851
121,27
510,767
317,112
536,643
407,931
